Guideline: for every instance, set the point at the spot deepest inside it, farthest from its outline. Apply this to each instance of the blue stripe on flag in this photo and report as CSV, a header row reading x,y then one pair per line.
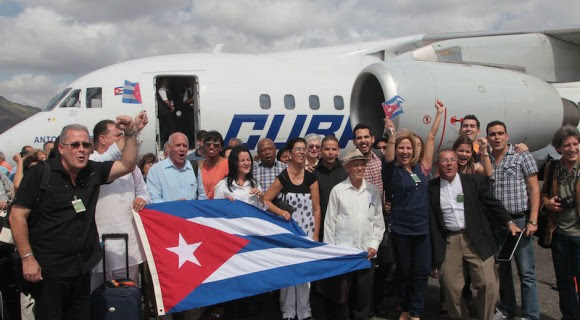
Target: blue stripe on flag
x,y
223,208
273,279
286,240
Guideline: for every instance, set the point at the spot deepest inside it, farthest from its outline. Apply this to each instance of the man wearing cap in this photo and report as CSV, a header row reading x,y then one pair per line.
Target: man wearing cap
x,y
354,218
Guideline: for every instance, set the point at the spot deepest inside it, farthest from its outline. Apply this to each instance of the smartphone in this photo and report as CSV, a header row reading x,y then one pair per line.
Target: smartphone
x,y
509,247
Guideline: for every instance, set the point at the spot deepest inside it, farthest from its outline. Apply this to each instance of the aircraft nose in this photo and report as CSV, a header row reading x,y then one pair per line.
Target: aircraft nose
x,y
571,113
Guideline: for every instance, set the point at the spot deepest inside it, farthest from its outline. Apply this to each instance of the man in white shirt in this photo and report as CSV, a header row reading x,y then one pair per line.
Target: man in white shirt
x,y
460,207
354,218
114,207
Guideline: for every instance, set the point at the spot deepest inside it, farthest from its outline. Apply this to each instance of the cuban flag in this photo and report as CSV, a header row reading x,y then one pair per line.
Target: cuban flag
x,y
118,91
205,252
393,107
131,92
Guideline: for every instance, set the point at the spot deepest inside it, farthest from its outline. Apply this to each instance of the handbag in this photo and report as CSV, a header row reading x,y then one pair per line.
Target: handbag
x,y
283,204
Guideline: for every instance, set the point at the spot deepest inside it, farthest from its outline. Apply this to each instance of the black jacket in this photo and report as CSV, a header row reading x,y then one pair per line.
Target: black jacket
x,y
480,206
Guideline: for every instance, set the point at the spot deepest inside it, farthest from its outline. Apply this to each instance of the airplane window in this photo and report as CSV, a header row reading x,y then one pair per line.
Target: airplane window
x,y
314,102
94,98
72,101
289,102
338,103
54,101
265,102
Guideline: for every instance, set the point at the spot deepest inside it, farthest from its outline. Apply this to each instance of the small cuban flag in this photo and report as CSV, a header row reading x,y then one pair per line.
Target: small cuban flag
x,y
131,92
393,107
203,252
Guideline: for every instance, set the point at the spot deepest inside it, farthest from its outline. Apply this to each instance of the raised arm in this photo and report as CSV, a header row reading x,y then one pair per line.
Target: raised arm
x,y
485,160
392,129
19,171
427,160
130,129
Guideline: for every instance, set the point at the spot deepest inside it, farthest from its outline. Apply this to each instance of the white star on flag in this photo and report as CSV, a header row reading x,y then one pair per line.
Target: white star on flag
x,y
185,251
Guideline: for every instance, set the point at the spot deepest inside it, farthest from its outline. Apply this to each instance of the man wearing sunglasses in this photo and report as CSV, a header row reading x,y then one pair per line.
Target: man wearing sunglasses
x,y
54,229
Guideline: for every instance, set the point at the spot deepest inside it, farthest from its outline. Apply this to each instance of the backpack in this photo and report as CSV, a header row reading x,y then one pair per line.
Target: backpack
x,y
5,231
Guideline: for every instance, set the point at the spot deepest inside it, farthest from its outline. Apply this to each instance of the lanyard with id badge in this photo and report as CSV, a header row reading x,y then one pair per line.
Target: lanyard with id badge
x,y
78,205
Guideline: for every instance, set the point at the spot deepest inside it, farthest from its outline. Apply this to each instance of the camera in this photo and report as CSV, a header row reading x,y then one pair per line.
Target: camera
x,y
567,202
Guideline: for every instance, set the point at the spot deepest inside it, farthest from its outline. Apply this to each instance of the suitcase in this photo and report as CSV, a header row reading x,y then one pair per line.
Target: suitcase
x,y
118,298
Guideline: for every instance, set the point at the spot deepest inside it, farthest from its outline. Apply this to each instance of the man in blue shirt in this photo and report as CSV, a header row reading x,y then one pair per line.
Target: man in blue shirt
x,y
173,178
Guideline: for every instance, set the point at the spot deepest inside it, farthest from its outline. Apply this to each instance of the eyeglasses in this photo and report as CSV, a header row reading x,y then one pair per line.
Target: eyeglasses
x,y
448,160
215,144
382,148
76,145
299,149
313,146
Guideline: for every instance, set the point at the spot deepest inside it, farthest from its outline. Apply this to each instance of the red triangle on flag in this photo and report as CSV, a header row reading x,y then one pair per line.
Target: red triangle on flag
x,y
137,92
164,231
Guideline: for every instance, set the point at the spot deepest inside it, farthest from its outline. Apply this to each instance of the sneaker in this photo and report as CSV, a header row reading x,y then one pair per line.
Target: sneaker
x,y
499,315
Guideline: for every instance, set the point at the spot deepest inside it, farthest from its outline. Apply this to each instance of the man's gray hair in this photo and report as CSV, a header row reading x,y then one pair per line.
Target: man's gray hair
x,y
563,133
175,134
72,127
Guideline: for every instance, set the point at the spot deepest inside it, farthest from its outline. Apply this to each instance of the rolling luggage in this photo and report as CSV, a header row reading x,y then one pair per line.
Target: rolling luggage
x,y
117,298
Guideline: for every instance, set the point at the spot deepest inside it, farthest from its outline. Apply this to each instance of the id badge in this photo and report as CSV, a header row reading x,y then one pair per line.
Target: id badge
x,y
460,198
78,205
415,178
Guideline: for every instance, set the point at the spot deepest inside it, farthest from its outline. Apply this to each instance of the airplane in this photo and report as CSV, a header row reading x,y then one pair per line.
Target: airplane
x,y
528,79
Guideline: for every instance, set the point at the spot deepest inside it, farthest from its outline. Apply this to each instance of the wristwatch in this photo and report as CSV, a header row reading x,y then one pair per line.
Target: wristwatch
x,y
533,222
509,223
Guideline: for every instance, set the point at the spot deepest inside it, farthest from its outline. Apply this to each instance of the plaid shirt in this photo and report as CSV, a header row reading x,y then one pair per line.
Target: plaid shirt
x,y
508,181
373,173
265,175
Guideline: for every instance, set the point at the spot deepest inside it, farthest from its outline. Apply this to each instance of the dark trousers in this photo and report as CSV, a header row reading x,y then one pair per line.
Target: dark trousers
x,y
359,295
166,126
566,258
413,256
63,298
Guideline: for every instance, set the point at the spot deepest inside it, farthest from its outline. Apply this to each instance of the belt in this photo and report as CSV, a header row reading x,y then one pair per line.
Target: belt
x,y
522,214
454,233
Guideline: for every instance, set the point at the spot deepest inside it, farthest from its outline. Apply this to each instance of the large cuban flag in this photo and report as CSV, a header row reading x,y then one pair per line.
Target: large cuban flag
x,y
209,251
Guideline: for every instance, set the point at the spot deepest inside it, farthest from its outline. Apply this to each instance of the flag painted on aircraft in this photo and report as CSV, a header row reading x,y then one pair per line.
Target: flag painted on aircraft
x,y
393,107
131,92
118,91
205,252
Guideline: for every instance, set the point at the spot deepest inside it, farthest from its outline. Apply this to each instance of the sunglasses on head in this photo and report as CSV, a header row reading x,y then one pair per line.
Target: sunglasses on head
x,y
76,145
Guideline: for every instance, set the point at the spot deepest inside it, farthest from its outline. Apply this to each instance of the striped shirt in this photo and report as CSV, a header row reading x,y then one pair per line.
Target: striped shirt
x,y
266,175
508,181
373,173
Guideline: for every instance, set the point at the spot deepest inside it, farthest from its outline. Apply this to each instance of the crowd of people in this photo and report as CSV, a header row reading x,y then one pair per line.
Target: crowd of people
x,y
416,213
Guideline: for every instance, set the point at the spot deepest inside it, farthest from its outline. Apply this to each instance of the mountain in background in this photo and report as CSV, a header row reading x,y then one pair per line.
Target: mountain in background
x,y
12,113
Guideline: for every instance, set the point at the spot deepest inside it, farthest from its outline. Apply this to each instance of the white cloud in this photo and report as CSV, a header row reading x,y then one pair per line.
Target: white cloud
x,y
30,89
58,38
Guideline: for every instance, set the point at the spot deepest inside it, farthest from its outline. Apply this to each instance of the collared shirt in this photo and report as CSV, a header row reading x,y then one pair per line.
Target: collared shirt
x,y
166,182
508,181
452,209
266,175
568,221
114,212
354,217
373,173
238,192
65,243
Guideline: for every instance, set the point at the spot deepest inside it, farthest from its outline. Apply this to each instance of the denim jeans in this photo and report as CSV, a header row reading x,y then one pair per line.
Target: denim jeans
x,y
413,254
566,258
524,257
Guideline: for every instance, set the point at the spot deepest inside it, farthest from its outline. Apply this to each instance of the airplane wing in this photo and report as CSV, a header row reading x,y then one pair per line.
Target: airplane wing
x,y
549,55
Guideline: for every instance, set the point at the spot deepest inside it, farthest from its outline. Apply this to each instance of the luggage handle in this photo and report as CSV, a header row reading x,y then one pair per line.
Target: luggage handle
x,y
104,238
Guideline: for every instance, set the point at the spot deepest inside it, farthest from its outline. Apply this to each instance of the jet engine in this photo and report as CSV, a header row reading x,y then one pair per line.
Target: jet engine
x,y
531,108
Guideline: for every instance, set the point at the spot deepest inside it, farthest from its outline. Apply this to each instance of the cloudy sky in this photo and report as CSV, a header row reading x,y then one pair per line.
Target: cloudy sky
x,y
46,44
